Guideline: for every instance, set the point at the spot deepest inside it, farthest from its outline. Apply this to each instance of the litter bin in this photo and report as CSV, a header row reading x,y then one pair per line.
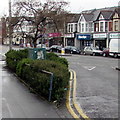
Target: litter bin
x,y
37,53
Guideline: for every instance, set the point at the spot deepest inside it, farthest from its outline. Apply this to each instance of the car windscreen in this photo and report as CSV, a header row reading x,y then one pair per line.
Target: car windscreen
x,y
94,48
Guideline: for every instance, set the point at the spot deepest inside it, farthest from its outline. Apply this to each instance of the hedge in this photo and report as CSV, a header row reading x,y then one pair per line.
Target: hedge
x,y
54,57
31,72
14,56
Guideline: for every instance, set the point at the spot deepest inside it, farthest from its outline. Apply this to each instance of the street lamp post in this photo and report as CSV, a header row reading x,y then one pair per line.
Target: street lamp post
x,y
10,27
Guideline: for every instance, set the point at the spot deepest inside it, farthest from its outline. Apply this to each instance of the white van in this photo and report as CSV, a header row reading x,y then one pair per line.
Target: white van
x,y
114,47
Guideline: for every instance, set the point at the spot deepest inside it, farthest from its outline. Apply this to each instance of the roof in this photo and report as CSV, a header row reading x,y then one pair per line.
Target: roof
x,y
118,11
93,14
75,18
106,14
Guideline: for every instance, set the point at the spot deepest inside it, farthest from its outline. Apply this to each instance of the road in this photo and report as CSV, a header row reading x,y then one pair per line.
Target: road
x,y
18,102
97,85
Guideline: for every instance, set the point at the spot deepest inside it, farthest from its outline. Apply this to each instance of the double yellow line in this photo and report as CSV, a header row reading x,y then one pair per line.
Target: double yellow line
x,y
79,110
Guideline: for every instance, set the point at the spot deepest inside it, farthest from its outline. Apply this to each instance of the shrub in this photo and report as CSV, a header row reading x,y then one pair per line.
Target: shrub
x,y
40,81
21,64
31,71
14,56
55,57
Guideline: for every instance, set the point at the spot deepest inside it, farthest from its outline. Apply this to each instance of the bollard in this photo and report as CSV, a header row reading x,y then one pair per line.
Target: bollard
x,y
62,51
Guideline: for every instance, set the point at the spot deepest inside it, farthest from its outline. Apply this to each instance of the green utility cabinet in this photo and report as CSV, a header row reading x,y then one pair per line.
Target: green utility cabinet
x,y
37,53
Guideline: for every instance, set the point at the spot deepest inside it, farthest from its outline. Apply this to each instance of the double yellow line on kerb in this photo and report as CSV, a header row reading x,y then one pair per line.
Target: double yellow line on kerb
x,y
77,107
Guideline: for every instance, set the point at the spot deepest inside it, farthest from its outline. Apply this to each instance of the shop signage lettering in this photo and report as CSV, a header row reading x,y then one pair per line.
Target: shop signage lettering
x,y
104,35
115,35
83,37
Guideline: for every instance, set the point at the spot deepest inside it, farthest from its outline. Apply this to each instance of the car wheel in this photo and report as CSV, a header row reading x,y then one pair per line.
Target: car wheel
x,y
71,52
115,55
84,53
104,54
93,54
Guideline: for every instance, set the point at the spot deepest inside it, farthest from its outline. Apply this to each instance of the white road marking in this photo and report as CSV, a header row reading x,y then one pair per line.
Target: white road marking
x,y
89,67
114,67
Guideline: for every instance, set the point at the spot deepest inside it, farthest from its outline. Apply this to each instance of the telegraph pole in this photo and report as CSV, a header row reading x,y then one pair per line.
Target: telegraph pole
x,y
10,27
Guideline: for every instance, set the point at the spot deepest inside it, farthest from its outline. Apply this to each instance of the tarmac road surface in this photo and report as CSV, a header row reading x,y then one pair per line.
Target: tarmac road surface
x,y
97,85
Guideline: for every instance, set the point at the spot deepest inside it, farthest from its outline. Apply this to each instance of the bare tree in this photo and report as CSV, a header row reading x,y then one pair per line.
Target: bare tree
x,y
38,16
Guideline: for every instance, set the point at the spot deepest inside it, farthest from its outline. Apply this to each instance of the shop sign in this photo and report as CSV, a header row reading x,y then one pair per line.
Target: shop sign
x,y
69,35
54,34
115,35
83,37
103,35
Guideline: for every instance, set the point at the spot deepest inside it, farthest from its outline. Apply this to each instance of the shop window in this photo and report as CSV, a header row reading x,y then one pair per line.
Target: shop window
x,y
87,43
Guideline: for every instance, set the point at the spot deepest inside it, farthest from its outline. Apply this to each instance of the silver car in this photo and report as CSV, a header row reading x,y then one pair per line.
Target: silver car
x,y
92,51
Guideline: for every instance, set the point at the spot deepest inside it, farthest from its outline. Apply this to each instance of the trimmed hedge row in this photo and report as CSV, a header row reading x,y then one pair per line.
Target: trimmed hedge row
x,y
14,56
31,72
54,57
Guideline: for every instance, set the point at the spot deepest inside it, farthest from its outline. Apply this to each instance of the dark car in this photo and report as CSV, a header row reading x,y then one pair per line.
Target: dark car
x,y
105,52
55,48
72,50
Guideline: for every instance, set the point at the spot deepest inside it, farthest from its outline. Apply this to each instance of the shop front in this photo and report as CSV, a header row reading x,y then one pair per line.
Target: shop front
x,y
84,40
55,39
69,39
114,35
100,40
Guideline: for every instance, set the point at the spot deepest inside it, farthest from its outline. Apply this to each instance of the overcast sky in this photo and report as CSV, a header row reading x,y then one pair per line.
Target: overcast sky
x,y
75,6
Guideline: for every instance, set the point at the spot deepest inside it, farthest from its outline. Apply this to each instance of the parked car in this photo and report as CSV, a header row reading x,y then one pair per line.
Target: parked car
x,y
72,50
105,52
43,46
28,45
55,48
92,51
